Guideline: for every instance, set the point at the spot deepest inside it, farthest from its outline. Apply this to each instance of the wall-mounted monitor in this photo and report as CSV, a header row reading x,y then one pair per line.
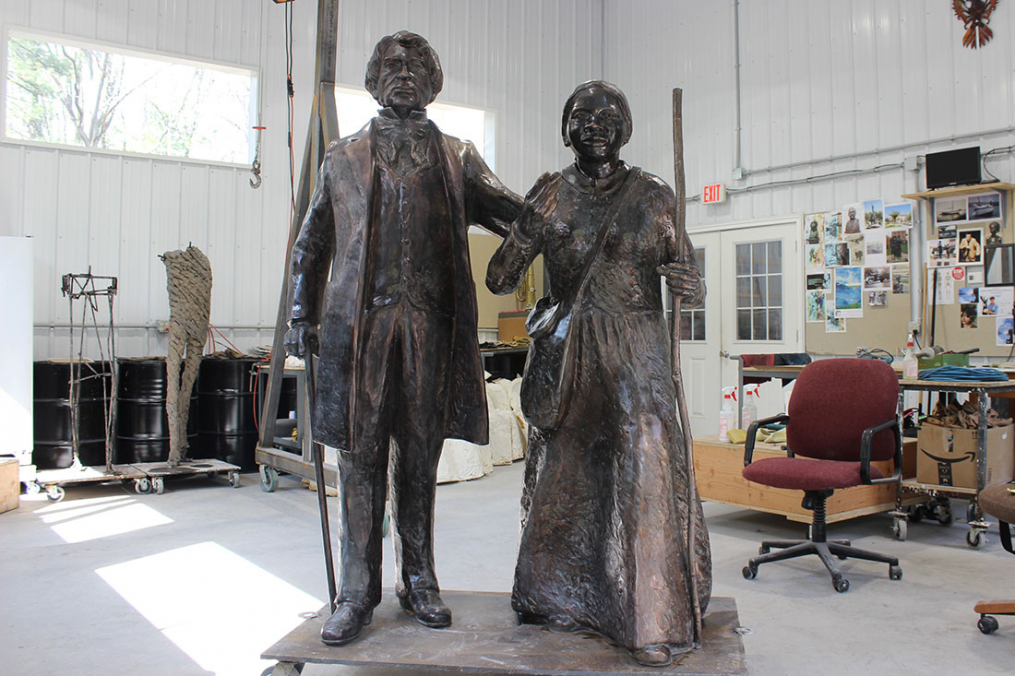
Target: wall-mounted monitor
x,y
953,167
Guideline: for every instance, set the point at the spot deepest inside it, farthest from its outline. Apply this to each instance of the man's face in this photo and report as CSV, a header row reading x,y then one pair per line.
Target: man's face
x,y
595,127
852,214
404,80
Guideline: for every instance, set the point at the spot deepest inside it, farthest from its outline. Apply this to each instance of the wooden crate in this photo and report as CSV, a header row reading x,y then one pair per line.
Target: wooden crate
x,y
718,470
10,487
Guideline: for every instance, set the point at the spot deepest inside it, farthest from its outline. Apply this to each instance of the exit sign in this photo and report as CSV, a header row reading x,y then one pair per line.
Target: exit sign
x,y
714,194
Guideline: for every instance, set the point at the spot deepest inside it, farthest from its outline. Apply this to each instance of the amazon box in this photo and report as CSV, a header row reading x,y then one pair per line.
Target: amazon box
x,y
946,456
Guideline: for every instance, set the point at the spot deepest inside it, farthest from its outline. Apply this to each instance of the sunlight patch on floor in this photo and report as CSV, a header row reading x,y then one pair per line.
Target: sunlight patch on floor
x,y
216,606
91,519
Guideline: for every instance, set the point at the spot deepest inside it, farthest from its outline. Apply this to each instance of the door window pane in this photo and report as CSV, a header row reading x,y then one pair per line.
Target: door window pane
x,y
692,317
759,291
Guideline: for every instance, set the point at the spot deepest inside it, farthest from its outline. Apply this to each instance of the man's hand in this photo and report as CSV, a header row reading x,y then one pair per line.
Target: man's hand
x,y
683,281
540,203
301,339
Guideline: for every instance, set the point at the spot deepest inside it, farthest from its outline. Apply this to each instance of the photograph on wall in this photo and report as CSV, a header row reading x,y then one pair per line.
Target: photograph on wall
x,y
877,299
874,253
967,316
899,216
969,294
852,215
941,253
997,265
813,227
848,292
982,206
833,226
898,246
900,279
1005,330
857,245
815,306
873,214
947,231
993,234
950,209
815,258
971,246
834,324
879,277
822,280
996,301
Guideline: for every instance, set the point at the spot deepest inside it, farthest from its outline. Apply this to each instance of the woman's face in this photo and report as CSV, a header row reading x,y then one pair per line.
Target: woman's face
x,y
596,129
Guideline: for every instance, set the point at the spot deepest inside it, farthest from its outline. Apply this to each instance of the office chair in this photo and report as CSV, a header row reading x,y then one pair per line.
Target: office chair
x,y
998,501
842,416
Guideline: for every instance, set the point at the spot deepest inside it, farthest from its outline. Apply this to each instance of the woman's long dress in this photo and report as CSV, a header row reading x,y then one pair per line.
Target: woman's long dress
x,y
605,500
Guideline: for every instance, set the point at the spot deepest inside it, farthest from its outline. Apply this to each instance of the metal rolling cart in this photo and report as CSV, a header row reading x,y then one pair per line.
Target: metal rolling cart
x,y
940,507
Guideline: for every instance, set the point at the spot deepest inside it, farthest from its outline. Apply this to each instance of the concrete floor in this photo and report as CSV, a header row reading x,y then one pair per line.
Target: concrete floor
x,y
203,578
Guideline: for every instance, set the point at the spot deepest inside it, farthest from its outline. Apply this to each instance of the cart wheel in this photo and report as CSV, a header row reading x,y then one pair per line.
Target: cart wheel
x,y
32,487
916,514
142,486
943,514
972,513
158,485
987,624
269,479
974,538
900,529
750,571
234,479
55,493
840,584
895,572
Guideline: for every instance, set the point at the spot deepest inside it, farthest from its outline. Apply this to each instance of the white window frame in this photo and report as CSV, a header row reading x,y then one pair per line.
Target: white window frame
x,y
12,31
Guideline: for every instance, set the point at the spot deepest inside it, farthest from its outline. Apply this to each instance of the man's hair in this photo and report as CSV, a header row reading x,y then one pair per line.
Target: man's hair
x,y
407,40
612,90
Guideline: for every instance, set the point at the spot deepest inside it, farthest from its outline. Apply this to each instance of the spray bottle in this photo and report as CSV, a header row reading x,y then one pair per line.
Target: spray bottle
x,y
910,364
750,413
727,416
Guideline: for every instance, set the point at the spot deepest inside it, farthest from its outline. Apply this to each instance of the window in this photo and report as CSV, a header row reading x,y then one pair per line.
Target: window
x,y
65,91
759,291
692,317
356,107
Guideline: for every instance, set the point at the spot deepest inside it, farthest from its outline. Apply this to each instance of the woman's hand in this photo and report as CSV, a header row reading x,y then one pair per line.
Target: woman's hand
x,y
540,203
684,281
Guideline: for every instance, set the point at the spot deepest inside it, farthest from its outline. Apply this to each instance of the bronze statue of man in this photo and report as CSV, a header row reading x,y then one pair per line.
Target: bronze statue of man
x,y
399,368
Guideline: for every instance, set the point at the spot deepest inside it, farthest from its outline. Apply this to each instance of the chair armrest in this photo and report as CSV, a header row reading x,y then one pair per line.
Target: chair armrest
x,y
865,453
752,434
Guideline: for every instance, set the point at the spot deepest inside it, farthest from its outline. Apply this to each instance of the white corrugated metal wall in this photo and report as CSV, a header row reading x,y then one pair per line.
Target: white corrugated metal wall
x,y
117,213
821,79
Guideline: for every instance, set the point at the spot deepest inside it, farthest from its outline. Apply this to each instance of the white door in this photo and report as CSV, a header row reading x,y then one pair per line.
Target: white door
x,y
754,276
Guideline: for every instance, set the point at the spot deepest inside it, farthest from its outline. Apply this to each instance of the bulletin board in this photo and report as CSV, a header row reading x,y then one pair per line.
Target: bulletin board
x,y
886,325
858,276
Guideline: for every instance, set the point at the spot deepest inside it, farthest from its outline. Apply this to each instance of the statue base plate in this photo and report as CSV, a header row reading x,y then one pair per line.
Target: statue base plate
x,y
486,638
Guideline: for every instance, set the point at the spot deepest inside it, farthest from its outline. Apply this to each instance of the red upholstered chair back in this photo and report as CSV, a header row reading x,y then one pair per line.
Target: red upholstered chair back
x,y
834,401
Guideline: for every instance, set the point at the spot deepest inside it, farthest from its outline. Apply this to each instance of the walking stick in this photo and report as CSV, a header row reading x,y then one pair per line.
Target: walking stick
x,y
678,380
322,489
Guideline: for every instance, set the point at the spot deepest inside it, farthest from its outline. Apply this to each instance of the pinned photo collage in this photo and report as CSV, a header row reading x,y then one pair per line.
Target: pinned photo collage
x,y
858,252
963,227
978,304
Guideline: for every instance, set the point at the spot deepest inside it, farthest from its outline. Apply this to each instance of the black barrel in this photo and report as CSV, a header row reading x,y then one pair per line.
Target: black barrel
x,y
53,447
226,422
142,424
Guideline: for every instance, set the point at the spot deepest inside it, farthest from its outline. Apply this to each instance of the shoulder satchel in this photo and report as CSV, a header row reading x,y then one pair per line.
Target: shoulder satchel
x,y
548,381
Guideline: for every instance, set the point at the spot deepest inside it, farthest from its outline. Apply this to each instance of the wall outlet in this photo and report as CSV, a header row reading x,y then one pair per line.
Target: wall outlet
x,y
162,326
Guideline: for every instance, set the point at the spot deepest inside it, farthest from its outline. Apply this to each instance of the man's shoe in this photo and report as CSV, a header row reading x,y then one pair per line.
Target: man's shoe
x,y
346,623
655,655
426,606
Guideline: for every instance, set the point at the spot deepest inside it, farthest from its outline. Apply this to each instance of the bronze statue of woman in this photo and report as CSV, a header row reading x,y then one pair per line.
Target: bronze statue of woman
x,y
606,504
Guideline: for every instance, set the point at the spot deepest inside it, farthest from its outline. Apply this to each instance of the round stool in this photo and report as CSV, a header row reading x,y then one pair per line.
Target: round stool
x,y
999,502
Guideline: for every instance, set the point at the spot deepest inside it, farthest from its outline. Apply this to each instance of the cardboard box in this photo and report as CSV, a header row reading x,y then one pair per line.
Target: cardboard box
x,y
10,487
947,455
511,326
